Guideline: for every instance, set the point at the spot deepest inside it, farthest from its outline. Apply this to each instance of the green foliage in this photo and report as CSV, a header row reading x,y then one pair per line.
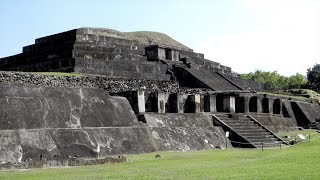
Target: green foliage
x,y
313,76
273,81
298,162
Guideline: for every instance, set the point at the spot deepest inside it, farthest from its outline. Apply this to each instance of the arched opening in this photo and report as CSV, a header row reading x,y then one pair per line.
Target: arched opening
x,y
285,111
265,105
171,105
239,104
219,103
151,102
276,106
253,105
189,105
206,104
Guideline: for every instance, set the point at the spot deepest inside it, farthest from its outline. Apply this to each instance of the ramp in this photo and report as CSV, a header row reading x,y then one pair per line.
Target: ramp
x,y
195,78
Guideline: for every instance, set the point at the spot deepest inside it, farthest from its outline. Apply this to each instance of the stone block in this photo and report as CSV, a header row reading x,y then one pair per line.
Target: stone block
x,y
141,102
229,104
181,100
162,101
210,103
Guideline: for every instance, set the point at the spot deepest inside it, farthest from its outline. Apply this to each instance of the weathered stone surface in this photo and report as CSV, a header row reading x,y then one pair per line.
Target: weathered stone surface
x,y
178,120
311,111
66,52
109,84
24,107
276,123
305,113
84,142
123,68
46,122
57,161
52,119
204,79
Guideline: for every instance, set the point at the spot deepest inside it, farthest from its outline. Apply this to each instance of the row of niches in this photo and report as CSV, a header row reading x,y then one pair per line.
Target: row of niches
x,y
164,102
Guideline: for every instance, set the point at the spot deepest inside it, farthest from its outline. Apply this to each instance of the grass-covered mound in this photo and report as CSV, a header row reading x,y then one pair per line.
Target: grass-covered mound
x,y
150,37
298,162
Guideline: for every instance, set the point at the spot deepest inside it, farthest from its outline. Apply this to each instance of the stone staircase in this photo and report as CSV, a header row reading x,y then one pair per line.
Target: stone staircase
x,y
252,132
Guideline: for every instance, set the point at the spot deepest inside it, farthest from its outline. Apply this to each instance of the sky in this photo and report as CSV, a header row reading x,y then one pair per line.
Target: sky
x,y
247,35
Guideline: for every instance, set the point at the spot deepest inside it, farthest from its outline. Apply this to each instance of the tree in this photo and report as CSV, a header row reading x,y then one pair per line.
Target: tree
x,y
273,81
313,76
297,81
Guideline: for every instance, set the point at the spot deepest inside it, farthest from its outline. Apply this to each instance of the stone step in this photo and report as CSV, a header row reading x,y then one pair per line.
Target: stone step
x,y
259,138
123,65
222,116
259,141
266,144
47,48
235,120
103,45
109,49
56,38
265,133
243,117
234,123
240,123
121,73
257,135
243,131
107,56
244,126
249,128
98,38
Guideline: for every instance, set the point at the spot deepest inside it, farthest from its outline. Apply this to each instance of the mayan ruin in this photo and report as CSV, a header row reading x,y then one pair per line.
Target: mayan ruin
x,y
131,93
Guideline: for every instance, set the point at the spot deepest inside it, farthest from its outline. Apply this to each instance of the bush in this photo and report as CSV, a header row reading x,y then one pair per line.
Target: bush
x,y
313,76
273,81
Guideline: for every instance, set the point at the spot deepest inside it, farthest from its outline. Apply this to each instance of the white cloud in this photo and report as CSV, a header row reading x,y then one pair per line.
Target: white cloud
x,y
286,39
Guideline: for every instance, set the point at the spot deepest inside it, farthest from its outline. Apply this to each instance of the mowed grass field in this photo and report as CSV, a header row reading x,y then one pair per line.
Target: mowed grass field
x,y
299,162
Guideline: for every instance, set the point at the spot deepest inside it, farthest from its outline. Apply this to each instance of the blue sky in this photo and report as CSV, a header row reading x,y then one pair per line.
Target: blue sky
x,y
281,35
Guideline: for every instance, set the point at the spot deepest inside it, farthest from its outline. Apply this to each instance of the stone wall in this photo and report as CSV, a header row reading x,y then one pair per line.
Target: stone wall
x,y
109,84
23,107
178,120
20,145
48,122
305,112
123,68
276,123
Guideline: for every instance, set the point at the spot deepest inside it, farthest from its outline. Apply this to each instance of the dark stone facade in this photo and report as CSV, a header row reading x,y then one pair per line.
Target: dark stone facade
x,y
126,97
103,52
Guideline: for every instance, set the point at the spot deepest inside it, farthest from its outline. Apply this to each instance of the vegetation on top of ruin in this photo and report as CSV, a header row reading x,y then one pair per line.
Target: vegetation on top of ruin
x,y
142,37
278,94
150,38
273,81
296,94
298,162
310,95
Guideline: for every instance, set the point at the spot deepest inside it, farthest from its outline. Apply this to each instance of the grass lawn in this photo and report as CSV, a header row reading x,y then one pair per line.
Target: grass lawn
x,y
299,162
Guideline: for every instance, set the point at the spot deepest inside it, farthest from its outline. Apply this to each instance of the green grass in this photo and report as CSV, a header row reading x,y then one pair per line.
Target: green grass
x,y
57,73
145,37
300,98
294,134
298,162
